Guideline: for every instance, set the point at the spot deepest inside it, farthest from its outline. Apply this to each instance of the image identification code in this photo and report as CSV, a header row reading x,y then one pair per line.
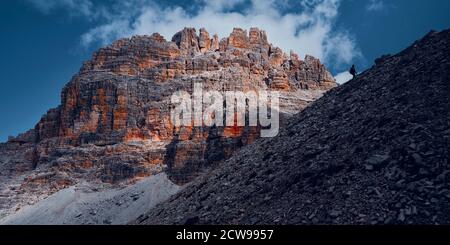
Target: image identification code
x,y
238,234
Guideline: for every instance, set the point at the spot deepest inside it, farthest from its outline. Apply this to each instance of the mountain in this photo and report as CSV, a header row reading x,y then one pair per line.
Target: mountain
x,y
375,150
113,125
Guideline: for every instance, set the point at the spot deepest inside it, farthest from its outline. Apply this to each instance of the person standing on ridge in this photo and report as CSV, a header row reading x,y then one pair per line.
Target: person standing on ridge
x,y
353,71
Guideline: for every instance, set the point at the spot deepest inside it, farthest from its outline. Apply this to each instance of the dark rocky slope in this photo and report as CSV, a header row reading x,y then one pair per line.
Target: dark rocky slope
x,y
373,151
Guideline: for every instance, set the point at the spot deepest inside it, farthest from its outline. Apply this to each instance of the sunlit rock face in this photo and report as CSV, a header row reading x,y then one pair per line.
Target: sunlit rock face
x,y
113,124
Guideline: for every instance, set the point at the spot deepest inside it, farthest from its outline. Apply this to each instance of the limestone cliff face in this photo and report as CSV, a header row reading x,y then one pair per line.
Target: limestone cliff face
x,y
113,123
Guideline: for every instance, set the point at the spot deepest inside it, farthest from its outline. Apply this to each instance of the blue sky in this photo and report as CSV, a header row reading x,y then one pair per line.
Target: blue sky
x,y
44,42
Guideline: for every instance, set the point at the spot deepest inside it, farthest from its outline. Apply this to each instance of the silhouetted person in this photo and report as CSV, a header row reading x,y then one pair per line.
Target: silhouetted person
x,y
353,71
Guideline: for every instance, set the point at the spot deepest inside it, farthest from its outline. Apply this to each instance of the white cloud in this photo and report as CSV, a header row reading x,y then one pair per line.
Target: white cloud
x,y
375,5
341,48
343,77
306,27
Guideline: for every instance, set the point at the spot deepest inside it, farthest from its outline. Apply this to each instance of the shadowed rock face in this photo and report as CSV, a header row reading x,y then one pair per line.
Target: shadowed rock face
x,y
372,151
113,122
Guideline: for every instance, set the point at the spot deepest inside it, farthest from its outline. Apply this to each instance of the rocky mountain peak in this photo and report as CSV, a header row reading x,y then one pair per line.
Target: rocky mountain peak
x,y
113,124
